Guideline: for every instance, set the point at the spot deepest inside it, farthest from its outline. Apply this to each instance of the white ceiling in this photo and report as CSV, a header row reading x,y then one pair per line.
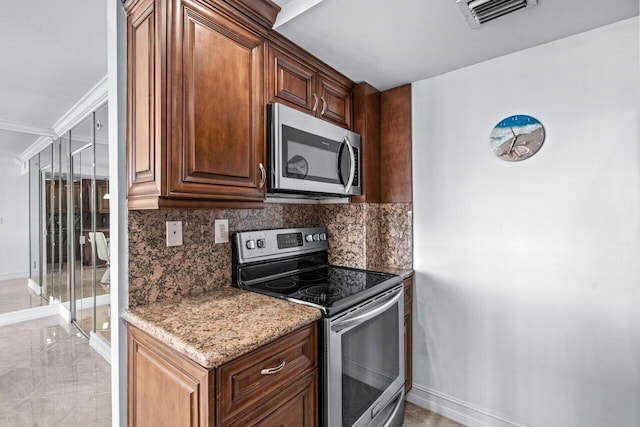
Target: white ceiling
x,y
390,43
53,53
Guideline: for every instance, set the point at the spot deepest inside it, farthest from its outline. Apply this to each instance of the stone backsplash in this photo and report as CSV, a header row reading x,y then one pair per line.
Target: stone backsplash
x,y
393,226
361,235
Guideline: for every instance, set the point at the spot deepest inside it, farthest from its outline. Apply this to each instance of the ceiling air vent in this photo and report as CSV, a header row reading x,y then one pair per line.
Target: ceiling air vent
x,y
479,12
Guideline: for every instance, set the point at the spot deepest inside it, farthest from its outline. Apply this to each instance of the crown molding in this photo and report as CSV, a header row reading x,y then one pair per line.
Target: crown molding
x,y
91,101
26,128
37,146
95,98
293,9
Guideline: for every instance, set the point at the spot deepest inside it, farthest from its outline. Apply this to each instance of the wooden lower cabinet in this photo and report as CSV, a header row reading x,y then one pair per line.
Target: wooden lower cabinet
x,y
408,334
295,407
164,387
168,389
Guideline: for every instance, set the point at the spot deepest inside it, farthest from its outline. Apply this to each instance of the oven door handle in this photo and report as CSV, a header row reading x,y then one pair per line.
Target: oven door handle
x,y
385,304
352,164
398,399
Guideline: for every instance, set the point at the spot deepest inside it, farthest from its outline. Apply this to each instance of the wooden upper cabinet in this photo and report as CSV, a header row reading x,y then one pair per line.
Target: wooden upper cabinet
x,y
290,81
366,122
196,122
383,120
297,79
217,141
335,101
395,145
143,167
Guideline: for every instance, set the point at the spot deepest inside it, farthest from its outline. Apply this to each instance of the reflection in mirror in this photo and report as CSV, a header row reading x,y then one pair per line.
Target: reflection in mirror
x,y
69,223
35,229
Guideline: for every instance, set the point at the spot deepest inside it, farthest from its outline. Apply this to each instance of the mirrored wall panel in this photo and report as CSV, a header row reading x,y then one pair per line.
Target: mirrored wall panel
x,y
69,223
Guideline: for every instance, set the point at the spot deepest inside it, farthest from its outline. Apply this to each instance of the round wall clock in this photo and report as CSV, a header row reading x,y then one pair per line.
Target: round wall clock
x,y
517,138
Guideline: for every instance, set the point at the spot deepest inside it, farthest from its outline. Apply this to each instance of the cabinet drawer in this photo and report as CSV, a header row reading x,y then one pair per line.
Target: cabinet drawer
x,y
244,383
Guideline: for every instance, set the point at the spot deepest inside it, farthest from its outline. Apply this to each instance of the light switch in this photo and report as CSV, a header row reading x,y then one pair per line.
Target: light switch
x,y
174,233
222,230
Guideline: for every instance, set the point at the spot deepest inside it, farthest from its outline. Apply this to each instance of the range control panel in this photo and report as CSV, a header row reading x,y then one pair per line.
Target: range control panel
x,y
271,244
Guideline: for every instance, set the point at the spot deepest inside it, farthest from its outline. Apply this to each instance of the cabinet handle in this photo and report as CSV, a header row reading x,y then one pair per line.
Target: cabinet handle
x,y
263,175
315,102
271,371
324,105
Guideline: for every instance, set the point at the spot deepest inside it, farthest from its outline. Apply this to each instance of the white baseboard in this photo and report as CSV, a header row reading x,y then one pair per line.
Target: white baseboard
x,y
14,275
34,287
457,410
83,303
29,314
64,312
100,345
50,310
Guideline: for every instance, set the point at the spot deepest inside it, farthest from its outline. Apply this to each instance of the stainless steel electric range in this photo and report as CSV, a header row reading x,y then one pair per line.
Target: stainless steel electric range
x,y
361,338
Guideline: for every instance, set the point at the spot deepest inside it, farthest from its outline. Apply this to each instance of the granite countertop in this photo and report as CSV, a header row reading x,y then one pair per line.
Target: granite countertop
x,y
220,325
404,272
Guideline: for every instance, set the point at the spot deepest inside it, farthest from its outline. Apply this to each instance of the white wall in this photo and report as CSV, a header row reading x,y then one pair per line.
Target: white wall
x,y
14,221
528,274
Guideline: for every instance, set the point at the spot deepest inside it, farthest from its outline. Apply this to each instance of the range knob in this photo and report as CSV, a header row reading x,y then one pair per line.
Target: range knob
x,y
323,236
316,237
251,244
262,243
308,238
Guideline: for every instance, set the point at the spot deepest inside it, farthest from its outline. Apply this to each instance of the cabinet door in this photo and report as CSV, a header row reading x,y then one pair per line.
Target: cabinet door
x,y
143,144
217,117
291,82
164,389
335,101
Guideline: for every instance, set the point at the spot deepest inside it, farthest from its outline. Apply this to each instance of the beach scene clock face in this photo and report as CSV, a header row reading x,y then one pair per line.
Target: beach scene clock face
x,y
517,138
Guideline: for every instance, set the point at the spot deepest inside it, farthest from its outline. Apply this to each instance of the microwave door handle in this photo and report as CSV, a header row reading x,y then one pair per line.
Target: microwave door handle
x,y
352,164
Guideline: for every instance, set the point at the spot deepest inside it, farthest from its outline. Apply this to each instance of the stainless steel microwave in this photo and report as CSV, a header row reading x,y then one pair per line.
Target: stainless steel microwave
x,y
309,157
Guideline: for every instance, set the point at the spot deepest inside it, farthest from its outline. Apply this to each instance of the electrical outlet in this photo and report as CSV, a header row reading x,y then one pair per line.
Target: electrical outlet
x,y
222,230
174,233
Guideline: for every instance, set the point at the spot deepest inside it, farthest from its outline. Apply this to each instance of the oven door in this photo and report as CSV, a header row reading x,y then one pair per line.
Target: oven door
x,y
309,155
365,363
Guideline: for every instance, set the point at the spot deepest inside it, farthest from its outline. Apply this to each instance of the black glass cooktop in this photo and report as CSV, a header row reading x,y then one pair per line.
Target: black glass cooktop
x,y
330,289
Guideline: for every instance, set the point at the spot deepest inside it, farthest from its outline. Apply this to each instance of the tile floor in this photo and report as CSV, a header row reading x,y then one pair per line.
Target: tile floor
x,y
103,320
16,295
415,416
49,376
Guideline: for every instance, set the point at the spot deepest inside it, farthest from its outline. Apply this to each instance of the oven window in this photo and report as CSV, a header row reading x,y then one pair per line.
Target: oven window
x,y
309,157
370,363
